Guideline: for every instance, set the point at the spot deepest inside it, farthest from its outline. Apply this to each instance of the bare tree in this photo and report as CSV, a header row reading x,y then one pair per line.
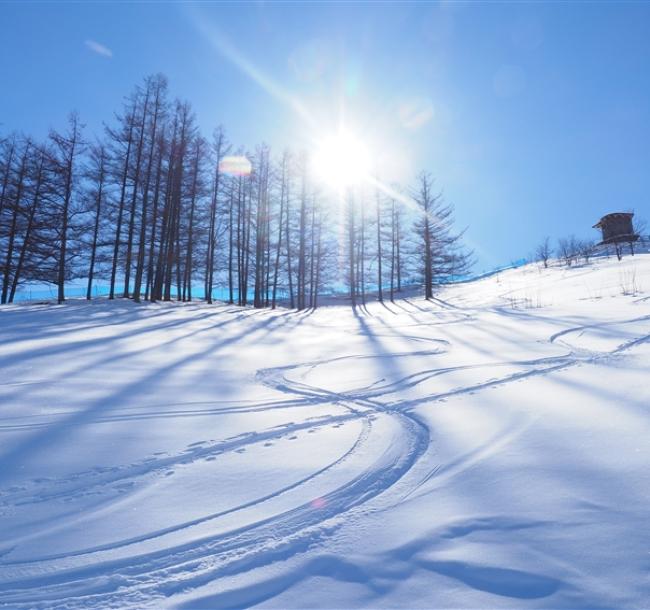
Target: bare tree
x,y
150,206
302,235
284,169
567,248
6,160
157,87
350,207
585,248
38,188
96,175
122,137
67,147
440,254
219,149
380,279
543,251
16,212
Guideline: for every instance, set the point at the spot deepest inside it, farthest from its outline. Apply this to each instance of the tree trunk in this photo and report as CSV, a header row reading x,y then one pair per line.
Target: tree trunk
x,y
392,251
28,230
318,260
312,255
190,236
14,223
134,198
353,288
139,268
301,244
98,209
231,279
212,237
148,291
120,214
279,244
380,294
288,241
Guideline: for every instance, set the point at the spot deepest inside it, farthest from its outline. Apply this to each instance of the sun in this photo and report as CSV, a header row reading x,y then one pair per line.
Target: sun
x,y
341,160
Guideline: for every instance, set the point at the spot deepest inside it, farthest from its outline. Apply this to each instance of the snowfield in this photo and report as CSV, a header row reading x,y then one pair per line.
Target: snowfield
x,y
489,449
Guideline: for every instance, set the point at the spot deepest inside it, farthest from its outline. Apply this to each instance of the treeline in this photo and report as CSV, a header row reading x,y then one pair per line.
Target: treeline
x,y
571,250
154,209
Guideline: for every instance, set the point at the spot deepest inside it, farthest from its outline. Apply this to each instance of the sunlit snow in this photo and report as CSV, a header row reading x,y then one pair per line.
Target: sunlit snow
x,y
488,449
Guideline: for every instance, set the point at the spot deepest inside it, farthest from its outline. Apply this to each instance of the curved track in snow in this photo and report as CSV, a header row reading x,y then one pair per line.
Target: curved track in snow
x,y
143,570
96,575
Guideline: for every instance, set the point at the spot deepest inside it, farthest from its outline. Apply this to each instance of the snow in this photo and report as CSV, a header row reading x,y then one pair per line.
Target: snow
x,y
486,449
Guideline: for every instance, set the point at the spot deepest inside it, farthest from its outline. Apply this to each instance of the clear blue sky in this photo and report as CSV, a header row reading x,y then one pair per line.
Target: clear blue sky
x,y
534,117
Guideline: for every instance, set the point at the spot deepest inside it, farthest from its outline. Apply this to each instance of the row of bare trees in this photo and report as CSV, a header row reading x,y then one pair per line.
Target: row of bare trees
x,y
153,210
571,250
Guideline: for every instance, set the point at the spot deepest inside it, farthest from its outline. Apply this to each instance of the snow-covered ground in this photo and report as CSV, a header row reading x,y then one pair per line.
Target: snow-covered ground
x,y
490,449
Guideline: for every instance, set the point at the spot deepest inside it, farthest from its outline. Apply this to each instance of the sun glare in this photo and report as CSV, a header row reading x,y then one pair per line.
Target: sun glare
x,y
341,160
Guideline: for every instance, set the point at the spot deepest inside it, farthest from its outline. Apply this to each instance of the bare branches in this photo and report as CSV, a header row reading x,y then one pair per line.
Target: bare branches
x,y
153,207
544,251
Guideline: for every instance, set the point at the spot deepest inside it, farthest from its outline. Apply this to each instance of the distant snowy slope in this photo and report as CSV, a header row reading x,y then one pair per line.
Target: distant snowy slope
x,y
488,449
534,286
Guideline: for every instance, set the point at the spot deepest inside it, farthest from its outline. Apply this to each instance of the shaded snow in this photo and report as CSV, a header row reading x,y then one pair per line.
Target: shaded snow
x,y
487,449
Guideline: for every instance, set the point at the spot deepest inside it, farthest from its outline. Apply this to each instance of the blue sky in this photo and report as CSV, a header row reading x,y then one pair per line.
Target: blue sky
x,y
533,117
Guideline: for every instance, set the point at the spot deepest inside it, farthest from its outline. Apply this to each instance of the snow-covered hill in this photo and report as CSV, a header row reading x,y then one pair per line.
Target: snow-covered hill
x,y
486,450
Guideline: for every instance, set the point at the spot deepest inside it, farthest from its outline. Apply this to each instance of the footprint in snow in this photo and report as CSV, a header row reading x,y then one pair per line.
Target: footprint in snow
x,y
169,473
210,459
268,444
242,450
293,438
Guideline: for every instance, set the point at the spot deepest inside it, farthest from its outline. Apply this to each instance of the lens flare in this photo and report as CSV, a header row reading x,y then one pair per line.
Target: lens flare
x,y
319,503
235,166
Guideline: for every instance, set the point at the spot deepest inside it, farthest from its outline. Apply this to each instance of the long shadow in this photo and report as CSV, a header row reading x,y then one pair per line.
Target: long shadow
x,y
391,368
77,347
55,432
80,344
71,318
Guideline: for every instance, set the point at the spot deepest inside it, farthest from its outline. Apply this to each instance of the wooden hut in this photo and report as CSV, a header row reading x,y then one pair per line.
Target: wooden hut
x,y
617,229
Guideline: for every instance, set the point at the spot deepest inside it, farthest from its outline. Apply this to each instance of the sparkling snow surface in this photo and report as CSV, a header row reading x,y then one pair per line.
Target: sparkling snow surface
x,y
490,449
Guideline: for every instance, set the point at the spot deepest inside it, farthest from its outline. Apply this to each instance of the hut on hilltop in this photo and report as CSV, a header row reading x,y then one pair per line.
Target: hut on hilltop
x,y
617,229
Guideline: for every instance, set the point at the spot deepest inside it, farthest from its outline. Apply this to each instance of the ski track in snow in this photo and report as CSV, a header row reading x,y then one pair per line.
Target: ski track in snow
x,y
128,573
